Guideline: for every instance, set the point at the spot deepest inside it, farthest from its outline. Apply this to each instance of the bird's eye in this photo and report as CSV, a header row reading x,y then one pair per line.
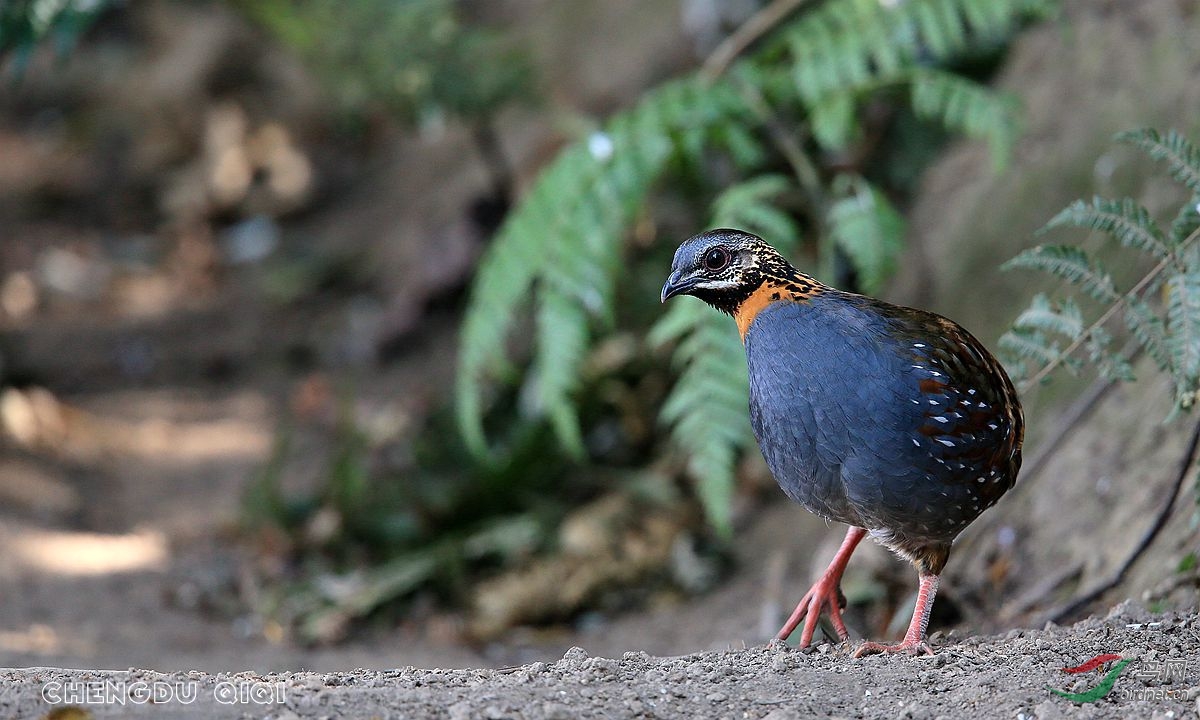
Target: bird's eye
x,y
716,259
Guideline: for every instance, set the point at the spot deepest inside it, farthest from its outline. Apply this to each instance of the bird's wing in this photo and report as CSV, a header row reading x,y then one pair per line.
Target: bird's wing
x,y
973,411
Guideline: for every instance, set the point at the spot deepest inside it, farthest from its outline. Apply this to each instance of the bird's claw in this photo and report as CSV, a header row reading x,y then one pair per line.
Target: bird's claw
x,y
825,594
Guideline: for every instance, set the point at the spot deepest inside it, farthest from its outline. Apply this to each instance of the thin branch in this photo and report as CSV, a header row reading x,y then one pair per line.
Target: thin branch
x,y
1066,611
736,43
1112,310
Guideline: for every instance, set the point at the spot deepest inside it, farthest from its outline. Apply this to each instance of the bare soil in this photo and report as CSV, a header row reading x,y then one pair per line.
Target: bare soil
x,y
1006,676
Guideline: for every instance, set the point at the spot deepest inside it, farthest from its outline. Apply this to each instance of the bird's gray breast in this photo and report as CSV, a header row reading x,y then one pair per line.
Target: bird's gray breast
x,y
824,409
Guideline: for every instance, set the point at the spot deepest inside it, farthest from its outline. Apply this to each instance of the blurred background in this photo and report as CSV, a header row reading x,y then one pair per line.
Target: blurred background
x,y
330,334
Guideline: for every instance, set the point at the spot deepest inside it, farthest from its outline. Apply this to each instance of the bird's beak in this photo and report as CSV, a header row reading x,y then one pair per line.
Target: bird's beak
x,y
677,284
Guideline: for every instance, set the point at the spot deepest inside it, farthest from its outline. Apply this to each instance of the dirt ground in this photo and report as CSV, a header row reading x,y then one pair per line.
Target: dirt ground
x,y
1007,676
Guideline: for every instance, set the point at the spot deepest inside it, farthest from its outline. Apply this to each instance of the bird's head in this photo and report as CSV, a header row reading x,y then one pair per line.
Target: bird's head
x,y
725,267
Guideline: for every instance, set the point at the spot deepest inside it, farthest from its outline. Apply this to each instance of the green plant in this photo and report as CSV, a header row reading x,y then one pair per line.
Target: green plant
x,y
1160,310
369,535
25,23
796,103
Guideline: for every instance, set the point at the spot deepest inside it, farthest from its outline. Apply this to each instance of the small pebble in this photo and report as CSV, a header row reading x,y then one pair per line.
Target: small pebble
x,y
640,657
603,666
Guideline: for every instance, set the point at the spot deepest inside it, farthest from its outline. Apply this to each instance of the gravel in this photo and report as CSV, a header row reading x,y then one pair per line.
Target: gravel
x,y
1006,676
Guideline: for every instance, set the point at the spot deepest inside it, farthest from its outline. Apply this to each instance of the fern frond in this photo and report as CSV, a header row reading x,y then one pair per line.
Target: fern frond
x,y
1186,222
562,328
1071,264
1183,158
970,108
1148,329
706,409
868,229
750,205
744,148
562,246
1111,365
1125,220
855,43
1183,330
1028,345
1042,315
833,120
829,57
1170,335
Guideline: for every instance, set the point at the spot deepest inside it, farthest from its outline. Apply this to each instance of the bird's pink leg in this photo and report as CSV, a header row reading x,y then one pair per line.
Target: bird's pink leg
x,y
825,592
914,639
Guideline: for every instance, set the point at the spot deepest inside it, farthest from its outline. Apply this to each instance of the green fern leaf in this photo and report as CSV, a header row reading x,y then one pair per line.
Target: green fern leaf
x,y
1186,222
1125,220
562,246
1169,335
1183,158
1183,328
849,45
1022,345
868,229
562,327
833,120
968,107
940,27
1071,264
706,409
745,149
749,205
984,16
1065,320
826,59
1111,365
1148,329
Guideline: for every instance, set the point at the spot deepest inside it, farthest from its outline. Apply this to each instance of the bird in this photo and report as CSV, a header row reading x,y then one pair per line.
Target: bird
x,y
893,420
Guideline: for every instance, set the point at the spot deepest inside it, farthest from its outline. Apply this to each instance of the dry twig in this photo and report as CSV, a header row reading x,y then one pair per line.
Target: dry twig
x,y
754,28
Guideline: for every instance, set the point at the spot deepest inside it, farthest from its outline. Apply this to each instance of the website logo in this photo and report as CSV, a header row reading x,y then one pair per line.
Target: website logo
x,y
1102,688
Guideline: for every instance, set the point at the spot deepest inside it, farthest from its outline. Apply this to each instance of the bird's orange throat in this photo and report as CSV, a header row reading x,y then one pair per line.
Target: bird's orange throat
x,y
799,289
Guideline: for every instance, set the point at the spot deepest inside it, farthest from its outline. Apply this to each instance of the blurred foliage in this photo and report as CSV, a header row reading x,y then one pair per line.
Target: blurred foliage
x,y
1160,311
795,126
421,525
424,524
26,23
414,58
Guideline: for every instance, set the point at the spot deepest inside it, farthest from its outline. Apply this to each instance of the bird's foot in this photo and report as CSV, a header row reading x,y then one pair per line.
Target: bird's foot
x,y
909,646
826,593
